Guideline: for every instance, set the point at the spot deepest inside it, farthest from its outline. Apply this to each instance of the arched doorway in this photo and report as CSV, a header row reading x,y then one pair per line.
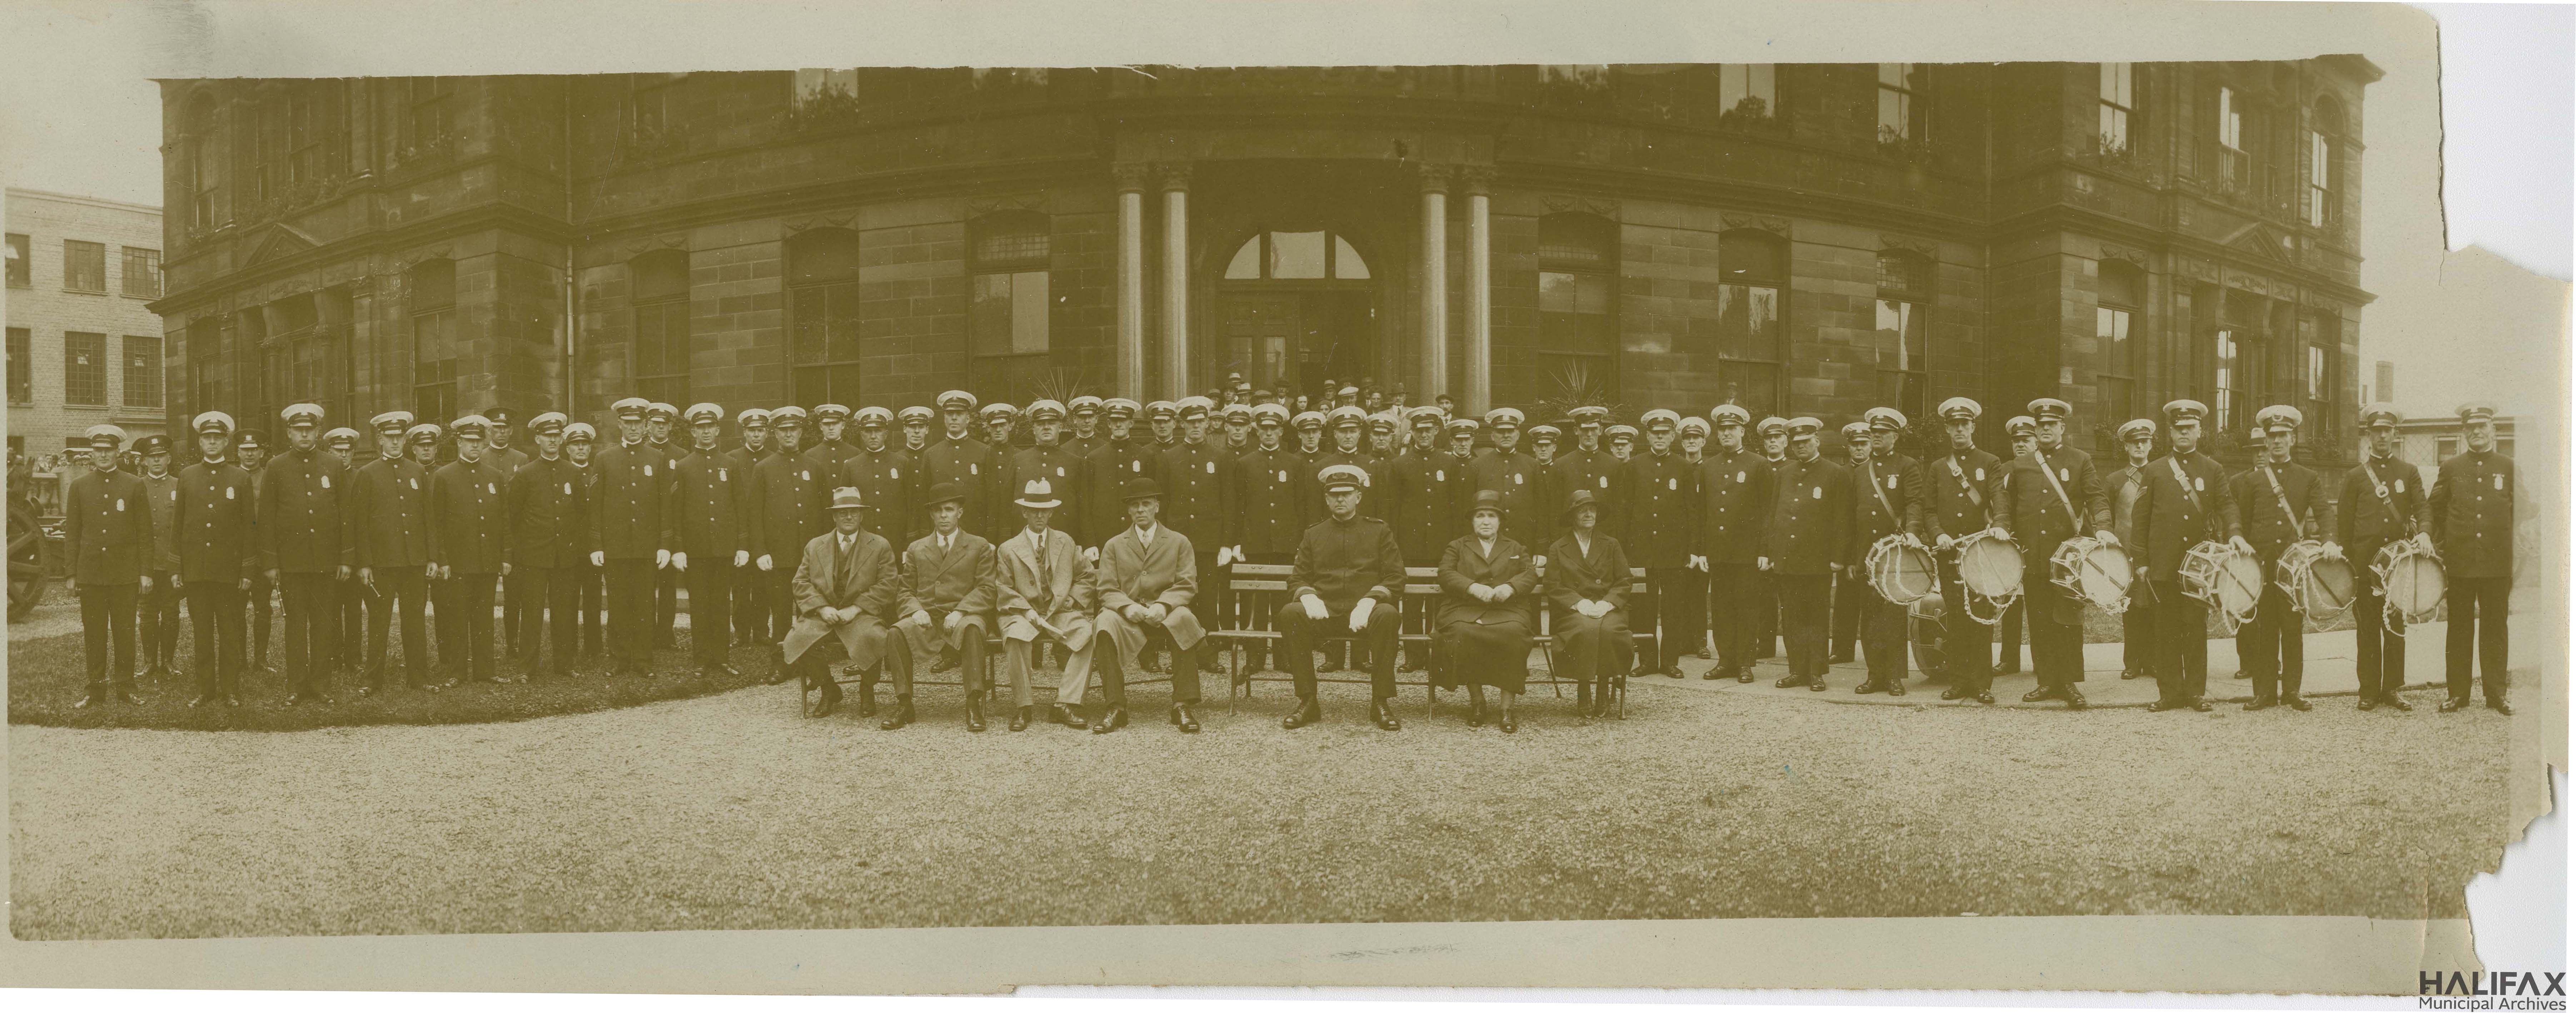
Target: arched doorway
x,y
1295,308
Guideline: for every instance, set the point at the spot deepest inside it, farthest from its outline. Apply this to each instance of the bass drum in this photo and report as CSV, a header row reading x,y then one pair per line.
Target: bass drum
x,y
1900,571
2412,580
1990,573
2093,570
2319,586
2226,580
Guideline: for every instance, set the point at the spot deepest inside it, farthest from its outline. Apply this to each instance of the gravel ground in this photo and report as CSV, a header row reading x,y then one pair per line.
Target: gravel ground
x,y
730,811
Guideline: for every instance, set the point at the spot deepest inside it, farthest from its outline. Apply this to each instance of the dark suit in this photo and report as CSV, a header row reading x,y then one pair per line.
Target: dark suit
x,y
1734,509
784,509
1960,489
889,483
107,532
1664,503
469,536
2383,501
1810,531
300,531
2271,647
215,521
2176,513
551,539
701,519
2032,509
2474,500
627,498
388,511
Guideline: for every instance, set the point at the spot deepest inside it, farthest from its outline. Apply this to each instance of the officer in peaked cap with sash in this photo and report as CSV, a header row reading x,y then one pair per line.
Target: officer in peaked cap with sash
x,y
2384,501
215,518
2187,502
1961,487
2474,501
1887,499
2282,504
469,547
703,530
1347,580
2048,496
107,532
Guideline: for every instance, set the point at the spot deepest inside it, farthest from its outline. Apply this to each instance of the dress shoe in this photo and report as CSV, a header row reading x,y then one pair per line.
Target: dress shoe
x,y
1870,686
1896,688
1384,712
1816,684
1984,698
2369,702
1182,719
1956,693
2202,704
89,701
2298,703
1020,719
974,714
201,701
2126,674
1064,714
1674,672
1704,654
2450,704
124,695
901,716
2037,695
1787,681
2259,703
1744,674
1510,725
1843,658
2500,707
1713,673
1112,718
867,701
1307,713
2074,698
2394,702
827,703
2161,706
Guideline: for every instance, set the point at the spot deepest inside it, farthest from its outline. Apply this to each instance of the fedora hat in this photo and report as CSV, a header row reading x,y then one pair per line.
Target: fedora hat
x,y
1038,495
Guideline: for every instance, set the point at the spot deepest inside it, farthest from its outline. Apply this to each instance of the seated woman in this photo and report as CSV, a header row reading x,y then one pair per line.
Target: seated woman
x,y
1486,618
1587,597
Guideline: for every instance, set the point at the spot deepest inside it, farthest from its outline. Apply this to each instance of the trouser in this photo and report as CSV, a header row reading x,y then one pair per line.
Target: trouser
x,y
630,611
354,608
1805,613
588,624
2008,636
514,599
816,665
1113,676
399,590
2056,632
970,653
549,592
2138,635
2182,645
1967,645
1852,598
1243,617
160,628
666,606
2380,661
780,583
1019,663
1677,610
1766,613
1298,635
312,602
263,597
107,614
750,605
465,615
2271,647
1882,639
2478,608
709,622
1735,596
215,609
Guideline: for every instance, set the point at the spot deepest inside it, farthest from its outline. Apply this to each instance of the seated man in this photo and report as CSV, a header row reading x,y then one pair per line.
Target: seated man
x,y
1347,574
1046,592
1147,580
948,596
845,593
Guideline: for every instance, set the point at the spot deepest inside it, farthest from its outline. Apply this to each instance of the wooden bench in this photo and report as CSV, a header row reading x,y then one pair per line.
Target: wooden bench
x,y
845,675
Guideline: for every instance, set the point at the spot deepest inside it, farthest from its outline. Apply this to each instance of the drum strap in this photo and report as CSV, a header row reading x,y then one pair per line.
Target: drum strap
x,y
2297,530
2173,461
2071,516
2380,486
1880,491
1970,487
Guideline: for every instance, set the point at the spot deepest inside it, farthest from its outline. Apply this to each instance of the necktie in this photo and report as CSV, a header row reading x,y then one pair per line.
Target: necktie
x,y
1046,576
843,567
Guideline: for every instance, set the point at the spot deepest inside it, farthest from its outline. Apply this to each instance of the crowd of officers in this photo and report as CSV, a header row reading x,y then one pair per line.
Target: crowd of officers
x,y
788,539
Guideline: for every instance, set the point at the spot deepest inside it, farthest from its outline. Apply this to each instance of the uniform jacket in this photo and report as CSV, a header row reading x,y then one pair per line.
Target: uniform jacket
x,y
1465,562
1343,561
976,469
2121,488
889,484
1663,503
1051,580
1420,499
1961,490
164,494
826,456
217,522
508,459
388,510
469,521
107,527
2265,527
550,516
626,491
1262,503
1596,470
2037,519
702,504
785,503
1193,493
299,513
1900,482
2367,520
2473,503
2170,520
1133,573
865,577
1734,506
1572,576
1811,518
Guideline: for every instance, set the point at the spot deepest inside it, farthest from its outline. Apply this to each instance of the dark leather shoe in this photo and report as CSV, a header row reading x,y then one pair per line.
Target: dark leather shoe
x,y
1840,659
1984,698
1384,712
1703,654
2202,704
1674,672
1510,723
1713,673
1870,686
901,716
1020,719
2161,706
2394,702
1787,681
2298,703
1112,718
1181,718
1816,683
2500,707
2074,698
2452,703
974,714
868,701
1308,712
1744,674
2258,703
1896,688
827,703
1064,714
1476,715
2037,695
1956,693
2368,703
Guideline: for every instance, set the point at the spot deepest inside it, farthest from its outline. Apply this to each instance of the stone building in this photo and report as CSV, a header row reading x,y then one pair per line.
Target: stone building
x,y
84,344
1798,238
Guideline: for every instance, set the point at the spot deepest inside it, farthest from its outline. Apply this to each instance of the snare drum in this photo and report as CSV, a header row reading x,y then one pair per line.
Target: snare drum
x,y
2223,578
1900,571
2318,586
2412,580
2093,570
1990,574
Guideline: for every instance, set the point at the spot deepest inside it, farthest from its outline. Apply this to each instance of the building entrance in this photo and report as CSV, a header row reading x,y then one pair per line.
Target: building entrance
x,y
1296,309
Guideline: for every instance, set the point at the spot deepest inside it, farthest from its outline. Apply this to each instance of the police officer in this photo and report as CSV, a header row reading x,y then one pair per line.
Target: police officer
x,y
1238,434
1887,499
107,532
1001,418
2121,489
702,523
2473,504
830,443
1622,441
579,439
916,420
1193,476
469,545
2048,496
1420,499
1512,472
299,547
1044,458
2187,502
658,417
1346,581
1806,542
215,518
388,516
1264,523
1774,432
340,447
1732,510
2383,502
1960,488
1663,500
1120,458
627,498
551,539
886,479
1587,464
749,608
160,628
1083,414
786,501
969,463
2282,504
503,427
250,450
1164,419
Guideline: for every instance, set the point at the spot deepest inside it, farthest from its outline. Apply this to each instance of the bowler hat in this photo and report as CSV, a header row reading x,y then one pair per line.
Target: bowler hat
x,y
944,492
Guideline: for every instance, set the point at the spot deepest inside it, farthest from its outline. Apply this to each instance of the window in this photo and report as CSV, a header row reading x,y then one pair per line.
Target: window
x,y
142,371
142,272
200,163
22,366
2322,168
206,365
432,123
1577,281
1753,272
2322,372
648,106
1293,255
1900,102
2235,165
823,312
819,85
1904,319
268,152
18,261
662,340
84,266
1006,316
2119,103
303,137
2229,380
1749,90
2123,290
84,368
432,302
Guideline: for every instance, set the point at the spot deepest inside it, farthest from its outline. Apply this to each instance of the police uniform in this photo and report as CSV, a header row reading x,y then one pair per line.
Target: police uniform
x,y
1113,464
160,625
551,539
1265,522
887,479
2121,488
509,459
1593,467
1766,630
388,543
1960,491
1809,536
1731,511
702,529
2187,502
972,466
2475,498
216,520
590,598
107,532
340,446
2047,497
828,449
469,541
1663,501
786,505
1887,499
2281,504
627,498
749,609
1061,469
2383,501
1341,563
1193,477
666,581
1082,415
1514,475
300,530
262,596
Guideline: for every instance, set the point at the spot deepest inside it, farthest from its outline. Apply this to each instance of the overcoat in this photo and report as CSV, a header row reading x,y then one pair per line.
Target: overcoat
x,y
1052,580
865,578
2475,498
1133,573
960,578
1483,642
1588,648
107,527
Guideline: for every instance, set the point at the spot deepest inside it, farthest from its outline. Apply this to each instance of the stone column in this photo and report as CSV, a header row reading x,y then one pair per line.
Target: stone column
x,y
1479,367
1435,282
1131,281
1176,280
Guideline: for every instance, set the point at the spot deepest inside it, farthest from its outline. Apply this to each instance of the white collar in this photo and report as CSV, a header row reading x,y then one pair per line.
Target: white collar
x,y
1146,534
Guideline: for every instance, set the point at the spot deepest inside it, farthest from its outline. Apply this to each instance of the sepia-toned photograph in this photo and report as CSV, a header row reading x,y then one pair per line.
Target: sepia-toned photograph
x,y
466,494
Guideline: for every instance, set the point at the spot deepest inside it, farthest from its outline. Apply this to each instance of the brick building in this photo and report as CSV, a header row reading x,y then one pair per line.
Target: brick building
x,y
84,344
1801,239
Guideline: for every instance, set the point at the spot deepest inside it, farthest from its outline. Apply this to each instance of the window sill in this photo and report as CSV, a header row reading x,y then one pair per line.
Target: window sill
x,y
85,291
137,295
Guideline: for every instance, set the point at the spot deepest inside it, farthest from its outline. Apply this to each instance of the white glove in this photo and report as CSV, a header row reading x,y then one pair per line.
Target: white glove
x,y
2238,543
1998,532
1480,592
431,573
680,561
764,562
1360,614
2106,538
2334,551
1538,561
1314,607
661,559
741,557
598,558
1941,542
1224,555
1091,555
2424,540
1763,562
1699,563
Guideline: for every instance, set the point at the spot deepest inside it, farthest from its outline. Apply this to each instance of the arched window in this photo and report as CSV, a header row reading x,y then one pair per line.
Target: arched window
x,y
1296,256
823,315
1006,317
660,294
2325,172
1578,287
431,298
1753,273
2123,291
1905,288
202,162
